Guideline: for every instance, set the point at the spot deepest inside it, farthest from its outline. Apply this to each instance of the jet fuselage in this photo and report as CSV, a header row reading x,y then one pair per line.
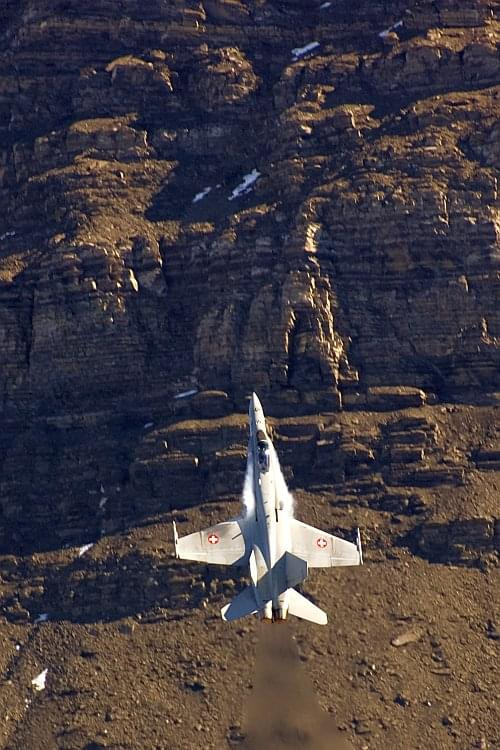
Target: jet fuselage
x,y
271,514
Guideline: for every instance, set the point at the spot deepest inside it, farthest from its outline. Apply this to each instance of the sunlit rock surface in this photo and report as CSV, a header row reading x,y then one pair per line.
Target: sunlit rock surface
x,y
201,199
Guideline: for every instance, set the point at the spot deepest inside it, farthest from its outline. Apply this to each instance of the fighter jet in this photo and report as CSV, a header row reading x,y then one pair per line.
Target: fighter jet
x,y
276,547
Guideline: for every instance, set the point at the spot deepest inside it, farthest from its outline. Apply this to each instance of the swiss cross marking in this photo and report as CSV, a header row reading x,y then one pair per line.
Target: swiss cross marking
x,y
321,542
213,538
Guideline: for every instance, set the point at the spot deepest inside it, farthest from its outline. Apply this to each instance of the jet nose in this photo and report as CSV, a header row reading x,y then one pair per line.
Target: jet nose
x,y
256,413
255,403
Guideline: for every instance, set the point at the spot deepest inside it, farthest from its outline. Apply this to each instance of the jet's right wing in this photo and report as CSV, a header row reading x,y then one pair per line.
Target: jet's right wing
x,y
322,550
222,544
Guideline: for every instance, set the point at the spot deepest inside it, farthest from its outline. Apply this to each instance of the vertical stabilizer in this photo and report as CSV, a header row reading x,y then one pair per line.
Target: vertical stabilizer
x,y
295,569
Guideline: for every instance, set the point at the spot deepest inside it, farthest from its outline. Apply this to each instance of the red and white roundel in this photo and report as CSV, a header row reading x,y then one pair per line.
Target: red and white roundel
x,y
321,542
213,538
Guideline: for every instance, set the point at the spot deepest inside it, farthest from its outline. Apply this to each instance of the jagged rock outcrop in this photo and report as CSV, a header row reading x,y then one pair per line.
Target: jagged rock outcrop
x,y
203,198
139,121
229,196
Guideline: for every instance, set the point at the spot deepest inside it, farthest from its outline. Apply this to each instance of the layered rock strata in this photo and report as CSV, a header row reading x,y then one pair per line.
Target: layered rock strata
x,y
235,196
198,200
364,255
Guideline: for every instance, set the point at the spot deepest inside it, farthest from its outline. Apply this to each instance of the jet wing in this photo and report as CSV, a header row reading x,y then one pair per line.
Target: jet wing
x,y
322,550
222,544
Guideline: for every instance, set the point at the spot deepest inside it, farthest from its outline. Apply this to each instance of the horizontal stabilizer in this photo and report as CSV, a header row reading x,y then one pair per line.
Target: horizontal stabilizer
x,y
301,607
242,605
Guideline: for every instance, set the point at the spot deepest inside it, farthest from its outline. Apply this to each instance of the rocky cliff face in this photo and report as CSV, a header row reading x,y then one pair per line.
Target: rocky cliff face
x,y
365,252
235,196
297,198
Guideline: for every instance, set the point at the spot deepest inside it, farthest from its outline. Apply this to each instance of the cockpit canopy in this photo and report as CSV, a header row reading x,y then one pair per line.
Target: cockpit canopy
x,y
263,455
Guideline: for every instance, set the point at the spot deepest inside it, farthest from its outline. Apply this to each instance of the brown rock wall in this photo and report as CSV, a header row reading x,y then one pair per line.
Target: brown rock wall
x,y
358,271
147,285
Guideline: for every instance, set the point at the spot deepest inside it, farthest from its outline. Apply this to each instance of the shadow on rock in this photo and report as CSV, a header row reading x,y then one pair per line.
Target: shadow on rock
x,y
282,711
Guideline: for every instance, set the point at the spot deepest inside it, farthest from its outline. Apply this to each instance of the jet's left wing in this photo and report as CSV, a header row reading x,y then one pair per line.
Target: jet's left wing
x,y
223,544
322,550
